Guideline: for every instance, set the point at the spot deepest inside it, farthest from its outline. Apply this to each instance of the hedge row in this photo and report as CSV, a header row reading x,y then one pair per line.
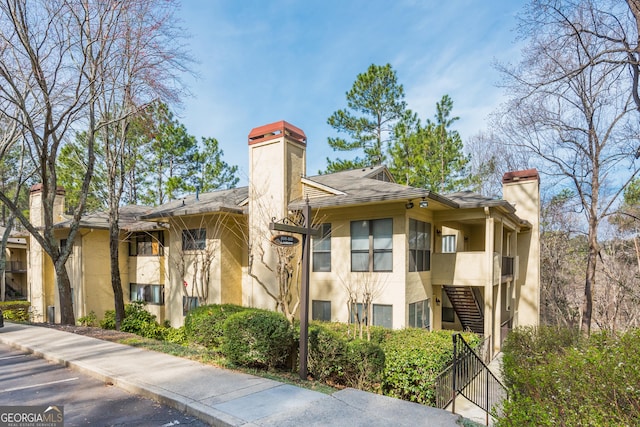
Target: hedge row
x,y
402,363
556,377
399,363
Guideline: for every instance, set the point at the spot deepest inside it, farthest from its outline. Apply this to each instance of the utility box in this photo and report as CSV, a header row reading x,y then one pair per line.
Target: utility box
x,y
51,314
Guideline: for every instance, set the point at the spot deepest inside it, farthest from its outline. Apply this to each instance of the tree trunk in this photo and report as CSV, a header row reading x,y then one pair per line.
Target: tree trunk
x,y
590,280
64,291
116,282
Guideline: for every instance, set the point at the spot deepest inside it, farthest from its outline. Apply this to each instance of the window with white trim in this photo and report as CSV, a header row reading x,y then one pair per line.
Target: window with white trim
x,y
321,310
322,249
152,294
194,239
372,245
419,245
419,314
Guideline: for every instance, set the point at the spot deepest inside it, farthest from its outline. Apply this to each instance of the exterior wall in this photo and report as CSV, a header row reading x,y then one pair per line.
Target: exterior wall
x,y
231,260
525,195
95,275
276,167
224,254
397,288
41,278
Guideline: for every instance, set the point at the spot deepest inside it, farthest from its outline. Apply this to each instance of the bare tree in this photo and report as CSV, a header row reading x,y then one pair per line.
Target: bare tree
x,y
573,114
58,59
286,269
142,68
198,253
362,289
491,158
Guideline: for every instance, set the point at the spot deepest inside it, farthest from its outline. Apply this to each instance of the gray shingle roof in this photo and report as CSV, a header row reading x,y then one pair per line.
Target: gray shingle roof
x,y
360,187
217,201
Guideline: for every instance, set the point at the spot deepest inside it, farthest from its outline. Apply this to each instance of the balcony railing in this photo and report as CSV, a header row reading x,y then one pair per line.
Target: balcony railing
x,y
15,266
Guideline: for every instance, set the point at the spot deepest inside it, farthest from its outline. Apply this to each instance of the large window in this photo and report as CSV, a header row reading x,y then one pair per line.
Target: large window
x,y
194,239
358,314
383,315
322,249
419,245
372,245
150,243
152,294
419,314
321,310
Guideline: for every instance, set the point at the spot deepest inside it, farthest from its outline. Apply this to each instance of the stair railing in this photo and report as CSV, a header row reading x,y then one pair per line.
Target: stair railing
x,y
469,376
473,379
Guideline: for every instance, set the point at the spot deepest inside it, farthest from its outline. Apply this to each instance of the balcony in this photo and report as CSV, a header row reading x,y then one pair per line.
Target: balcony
x,y
466,268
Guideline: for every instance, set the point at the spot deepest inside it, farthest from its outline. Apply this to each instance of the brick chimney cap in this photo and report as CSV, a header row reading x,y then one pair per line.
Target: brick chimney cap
x,y
523,175
277,130
37,188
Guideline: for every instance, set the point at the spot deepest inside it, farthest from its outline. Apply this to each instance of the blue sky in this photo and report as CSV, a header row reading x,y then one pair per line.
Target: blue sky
x,y
263,61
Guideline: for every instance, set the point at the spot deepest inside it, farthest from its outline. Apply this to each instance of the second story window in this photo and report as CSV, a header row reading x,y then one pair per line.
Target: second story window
x,y
448,244
194,239
150,243
419,245
372,245
322,249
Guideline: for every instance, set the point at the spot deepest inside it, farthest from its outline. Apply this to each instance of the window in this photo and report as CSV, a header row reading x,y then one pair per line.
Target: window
x,y
188,304
150,243
419,314
322,249
383,315
195,239
419,245
152,294
321,310
371,245
448,244
358,314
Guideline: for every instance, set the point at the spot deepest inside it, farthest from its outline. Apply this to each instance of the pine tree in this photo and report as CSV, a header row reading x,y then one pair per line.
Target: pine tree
x,y
375,104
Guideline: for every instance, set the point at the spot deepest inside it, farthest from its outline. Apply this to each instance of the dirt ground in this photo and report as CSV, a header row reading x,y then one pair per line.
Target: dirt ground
x,y
94,332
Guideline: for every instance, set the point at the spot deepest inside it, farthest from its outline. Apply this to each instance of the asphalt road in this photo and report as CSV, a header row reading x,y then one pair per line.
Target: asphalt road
x,y
29,380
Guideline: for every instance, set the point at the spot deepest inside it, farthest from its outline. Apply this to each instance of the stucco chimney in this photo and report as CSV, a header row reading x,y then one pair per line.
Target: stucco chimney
x,y
36,211
522,189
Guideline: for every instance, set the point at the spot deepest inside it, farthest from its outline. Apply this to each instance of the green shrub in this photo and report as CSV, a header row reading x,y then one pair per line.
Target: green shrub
x,y
136,320
204,325
139,321
563,379
16,311
109,320
327,354
257,338
365,364
337,359
176,335
89,320
414,358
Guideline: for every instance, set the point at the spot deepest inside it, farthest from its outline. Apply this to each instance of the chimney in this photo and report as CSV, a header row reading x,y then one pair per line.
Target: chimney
x,y
36,211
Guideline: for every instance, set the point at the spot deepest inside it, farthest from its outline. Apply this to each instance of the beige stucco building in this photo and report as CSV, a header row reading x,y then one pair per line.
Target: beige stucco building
x,y
385,253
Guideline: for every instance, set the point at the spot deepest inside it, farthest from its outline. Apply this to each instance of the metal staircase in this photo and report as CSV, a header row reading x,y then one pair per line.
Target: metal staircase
x,y
464,300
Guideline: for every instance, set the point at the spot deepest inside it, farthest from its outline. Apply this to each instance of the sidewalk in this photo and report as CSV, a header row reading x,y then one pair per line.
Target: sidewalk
x,y
217,396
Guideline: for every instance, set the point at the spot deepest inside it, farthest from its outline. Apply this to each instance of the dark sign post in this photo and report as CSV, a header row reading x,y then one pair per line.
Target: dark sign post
x,y
306,231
